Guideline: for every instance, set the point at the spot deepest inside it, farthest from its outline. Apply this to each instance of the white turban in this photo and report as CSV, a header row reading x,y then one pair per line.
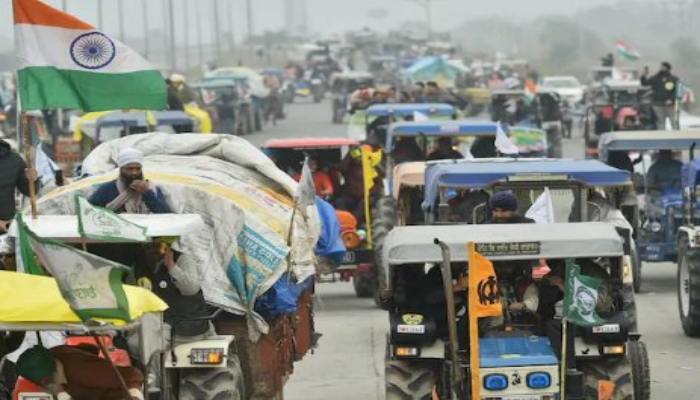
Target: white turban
x,y
128,156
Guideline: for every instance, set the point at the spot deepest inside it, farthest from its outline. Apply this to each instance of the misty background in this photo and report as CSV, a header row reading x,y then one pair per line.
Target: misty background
x,y
562,37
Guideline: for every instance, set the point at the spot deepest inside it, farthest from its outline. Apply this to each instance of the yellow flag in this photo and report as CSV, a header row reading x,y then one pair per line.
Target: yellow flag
x,y
370,160
484,301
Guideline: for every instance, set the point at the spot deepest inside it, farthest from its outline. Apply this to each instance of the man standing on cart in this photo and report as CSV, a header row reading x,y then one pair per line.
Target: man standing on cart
x,y
664,86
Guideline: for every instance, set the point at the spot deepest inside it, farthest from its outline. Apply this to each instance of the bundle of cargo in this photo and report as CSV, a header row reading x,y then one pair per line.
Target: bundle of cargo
x,y
255,256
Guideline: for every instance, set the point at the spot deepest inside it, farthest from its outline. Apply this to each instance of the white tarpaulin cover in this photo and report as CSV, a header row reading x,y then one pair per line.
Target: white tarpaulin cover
x,y
244,199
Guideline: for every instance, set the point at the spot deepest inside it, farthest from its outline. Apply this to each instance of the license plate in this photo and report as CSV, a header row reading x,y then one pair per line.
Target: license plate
x,y
349,257
608,328
412,329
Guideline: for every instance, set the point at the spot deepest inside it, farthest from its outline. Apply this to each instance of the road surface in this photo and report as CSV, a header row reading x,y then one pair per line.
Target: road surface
x,y
348,363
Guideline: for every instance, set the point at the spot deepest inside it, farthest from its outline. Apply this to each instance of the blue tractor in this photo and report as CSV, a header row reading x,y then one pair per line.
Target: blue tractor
x,y
656,206
430,347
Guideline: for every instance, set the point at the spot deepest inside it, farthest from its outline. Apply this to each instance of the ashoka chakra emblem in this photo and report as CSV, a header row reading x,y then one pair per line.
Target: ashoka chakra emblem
x,y
92,50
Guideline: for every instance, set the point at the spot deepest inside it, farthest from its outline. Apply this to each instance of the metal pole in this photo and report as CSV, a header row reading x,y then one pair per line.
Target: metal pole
x,y
64,5
456,375
171,21
217,31
249,20
146,42
100,21
185,32
231,37
120,9
28,149
429,19
198,27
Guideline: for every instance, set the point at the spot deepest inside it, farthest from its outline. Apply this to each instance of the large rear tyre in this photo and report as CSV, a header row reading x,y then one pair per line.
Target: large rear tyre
x,y
383,221
629,306
409,380
689,288
363,285
640,370
619,371
213,383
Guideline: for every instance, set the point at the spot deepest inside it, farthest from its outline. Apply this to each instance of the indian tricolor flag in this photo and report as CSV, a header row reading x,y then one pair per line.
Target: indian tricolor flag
x,y
626,51
67,63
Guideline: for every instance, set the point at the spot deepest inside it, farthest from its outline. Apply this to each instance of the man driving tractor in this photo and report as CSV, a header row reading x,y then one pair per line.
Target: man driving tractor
x,y
504,209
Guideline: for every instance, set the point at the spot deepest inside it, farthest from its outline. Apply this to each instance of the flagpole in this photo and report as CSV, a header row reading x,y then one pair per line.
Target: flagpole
x,y
27,144
474,366
103,348
562,373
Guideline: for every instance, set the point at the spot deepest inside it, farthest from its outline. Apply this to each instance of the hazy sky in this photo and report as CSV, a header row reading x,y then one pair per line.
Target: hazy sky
x,y
325,16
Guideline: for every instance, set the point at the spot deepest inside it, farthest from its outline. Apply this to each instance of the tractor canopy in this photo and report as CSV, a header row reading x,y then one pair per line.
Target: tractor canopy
x,y
646,140
415,244
407,109
454,128
479,174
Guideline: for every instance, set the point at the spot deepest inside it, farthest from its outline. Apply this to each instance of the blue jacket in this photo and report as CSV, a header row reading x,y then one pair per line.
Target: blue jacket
x,y
106,192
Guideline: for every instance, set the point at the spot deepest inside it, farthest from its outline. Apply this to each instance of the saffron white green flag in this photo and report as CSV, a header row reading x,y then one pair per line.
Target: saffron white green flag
x,y
626,51
102,224
91,285
580,297
66,63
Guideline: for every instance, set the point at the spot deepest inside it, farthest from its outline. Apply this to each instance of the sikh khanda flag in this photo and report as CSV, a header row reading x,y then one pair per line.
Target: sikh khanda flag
x,y
484,301
66,63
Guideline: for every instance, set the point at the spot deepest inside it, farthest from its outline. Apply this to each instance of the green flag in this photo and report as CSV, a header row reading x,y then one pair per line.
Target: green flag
x,y
29,261
102,224
580,296
91,285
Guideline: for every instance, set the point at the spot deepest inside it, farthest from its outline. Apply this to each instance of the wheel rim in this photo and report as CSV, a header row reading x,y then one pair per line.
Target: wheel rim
x,y
684,286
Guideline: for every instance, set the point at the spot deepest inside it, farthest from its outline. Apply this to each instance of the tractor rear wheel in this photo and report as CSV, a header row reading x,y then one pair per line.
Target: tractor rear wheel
x,y
618,371
383,221
689,288
640,370
363,284
214,383
409,380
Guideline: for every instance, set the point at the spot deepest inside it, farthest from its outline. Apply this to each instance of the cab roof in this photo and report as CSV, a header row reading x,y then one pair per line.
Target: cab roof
x,y
440,128
415,244
407,109
64,228
310,143
478,174
647,140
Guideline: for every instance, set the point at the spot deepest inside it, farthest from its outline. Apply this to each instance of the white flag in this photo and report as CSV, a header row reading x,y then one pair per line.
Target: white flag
x,y
305,195
542,210
45,167
102,224
503,143
91,285
420,117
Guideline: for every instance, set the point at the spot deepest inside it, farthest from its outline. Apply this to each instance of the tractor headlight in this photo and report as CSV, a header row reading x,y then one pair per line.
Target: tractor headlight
x,y
539,380
495,382
655,227
207,356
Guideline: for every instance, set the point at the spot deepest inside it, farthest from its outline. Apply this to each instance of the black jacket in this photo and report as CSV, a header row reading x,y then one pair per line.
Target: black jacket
x,y
664,86
517,219
12,176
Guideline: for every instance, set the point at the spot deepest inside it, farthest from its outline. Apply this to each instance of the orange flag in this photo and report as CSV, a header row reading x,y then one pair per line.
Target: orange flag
x,y
484,301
